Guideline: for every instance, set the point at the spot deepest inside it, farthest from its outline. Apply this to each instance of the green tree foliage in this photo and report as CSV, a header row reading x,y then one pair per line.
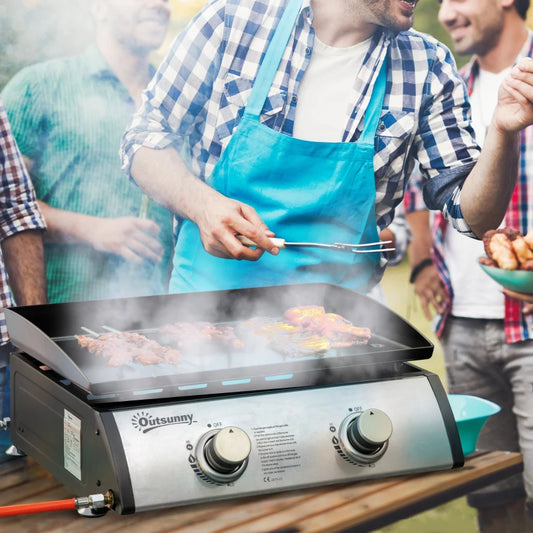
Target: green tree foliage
x,y
426,20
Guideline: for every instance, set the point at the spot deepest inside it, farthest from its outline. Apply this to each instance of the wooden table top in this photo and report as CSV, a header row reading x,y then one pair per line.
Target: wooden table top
x,y
359,506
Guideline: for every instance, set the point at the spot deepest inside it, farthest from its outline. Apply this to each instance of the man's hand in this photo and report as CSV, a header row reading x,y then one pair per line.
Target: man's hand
x,y
431,291
218,217
515,98
221,219
132,238
427,283
527,299
489,186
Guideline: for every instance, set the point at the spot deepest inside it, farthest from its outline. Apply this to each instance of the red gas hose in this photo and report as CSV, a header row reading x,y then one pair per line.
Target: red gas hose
x,y
42,507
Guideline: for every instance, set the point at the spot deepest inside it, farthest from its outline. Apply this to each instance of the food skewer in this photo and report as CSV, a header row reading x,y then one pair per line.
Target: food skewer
x,y
122,348
110,329
89,331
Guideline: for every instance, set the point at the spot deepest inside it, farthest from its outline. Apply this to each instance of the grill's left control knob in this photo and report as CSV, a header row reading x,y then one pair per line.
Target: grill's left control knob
x,y
223,454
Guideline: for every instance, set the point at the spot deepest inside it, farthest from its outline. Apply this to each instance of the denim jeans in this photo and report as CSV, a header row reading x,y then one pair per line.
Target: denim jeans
x,y
480,362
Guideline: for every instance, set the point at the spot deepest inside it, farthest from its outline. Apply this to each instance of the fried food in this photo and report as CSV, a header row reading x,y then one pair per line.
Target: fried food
x,y
510,233
528,265
488,262
528,237
522,250
508,249
502,252
499,248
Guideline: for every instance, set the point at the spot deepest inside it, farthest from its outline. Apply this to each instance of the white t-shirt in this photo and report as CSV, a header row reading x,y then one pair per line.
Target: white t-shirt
x,y
325,98
326,93
475,294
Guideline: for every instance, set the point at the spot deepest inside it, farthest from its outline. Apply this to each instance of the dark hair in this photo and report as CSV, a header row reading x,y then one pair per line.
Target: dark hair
x,y
522,6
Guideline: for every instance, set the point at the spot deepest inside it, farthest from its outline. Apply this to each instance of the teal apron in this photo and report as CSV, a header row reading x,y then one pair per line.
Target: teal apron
x,y
302,190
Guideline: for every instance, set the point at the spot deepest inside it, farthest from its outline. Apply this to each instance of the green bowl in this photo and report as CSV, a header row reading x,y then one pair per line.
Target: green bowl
x,y
470,413
516,280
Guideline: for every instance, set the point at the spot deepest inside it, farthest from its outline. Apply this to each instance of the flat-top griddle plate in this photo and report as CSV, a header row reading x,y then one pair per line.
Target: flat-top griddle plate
x,y
47,333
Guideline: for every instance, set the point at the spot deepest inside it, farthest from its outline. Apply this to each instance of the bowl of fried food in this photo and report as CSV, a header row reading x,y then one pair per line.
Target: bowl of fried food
x,y
509,259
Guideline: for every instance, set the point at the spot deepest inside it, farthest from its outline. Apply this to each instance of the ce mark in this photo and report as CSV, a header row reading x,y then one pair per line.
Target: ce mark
x,y
268,479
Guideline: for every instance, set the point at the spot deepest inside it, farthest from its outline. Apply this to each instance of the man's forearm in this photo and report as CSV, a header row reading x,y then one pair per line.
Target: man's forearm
x,y
488,189
163,176
24,262
421,245
66,226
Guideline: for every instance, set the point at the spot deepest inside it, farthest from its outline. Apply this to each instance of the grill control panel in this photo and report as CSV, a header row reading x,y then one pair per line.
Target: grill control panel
x,y
234,446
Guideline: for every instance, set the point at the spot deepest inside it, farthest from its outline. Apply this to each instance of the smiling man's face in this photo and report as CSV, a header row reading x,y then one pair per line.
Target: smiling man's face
x,y
473,25
398,15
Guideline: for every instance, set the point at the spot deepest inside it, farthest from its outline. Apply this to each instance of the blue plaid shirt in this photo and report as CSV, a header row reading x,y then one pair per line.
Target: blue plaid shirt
x,y
195,100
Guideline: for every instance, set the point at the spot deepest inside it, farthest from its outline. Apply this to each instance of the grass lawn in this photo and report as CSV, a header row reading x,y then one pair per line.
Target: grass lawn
x,y
455,516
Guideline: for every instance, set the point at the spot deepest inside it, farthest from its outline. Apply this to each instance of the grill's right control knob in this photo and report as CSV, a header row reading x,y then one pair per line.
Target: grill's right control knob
x,y
365,436
223,454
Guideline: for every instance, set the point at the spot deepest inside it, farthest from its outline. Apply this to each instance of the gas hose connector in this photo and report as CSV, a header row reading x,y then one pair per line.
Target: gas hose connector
x,y
5,423
94,501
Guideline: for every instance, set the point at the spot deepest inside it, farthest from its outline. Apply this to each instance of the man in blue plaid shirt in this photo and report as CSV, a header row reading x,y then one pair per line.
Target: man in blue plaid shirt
x,y
303,119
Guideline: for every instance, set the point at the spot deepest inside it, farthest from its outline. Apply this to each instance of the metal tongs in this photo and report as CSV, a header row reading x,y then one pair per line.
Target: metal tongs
x,y
340,246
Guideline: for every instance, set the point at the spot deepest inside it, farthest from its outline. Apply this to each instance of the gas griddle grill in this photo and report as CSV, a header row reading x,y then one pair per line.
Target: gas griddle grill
x,y
224,423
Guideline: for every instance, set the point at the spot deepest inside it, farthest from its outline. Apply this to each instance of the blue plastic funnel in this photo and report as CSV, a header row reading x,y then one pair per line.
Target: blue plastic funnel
x,y
470,413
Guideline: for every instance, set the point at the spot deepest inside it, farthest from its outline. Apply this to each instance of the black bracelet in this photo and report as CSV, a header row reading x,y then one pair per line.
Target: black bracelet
x,y
418,268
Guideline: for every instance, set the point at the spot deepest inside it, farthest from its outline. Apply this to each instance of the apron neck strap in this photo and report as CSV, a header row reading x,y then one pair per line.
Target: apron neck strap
x,y
272,59
373,111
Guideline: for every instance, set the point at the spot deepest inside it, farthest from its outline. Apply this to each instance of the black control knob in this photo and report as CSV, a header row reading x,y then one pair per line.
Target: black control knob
x,y
364,436
223,455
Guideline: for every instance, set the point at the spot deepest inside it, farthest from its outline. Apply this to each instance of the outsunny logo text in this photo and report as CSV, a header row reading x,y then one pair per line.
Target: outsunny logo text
x,y
145,422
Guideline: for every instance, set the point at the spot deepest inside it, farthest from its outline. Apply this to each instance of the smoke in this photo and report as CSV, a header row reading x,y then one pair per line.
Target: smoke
x,y
393,340
36,30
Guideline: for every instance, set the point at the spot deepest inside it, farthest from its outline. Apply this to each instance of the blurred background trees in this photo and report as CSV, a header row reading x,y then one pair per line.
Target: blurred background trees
x,y
34,30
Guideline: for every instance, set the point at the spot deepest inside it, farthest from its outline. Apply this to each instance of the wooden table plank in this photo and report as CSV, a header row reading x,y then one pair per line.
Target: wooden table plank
x,y
241,511
314,505
411,492
355,506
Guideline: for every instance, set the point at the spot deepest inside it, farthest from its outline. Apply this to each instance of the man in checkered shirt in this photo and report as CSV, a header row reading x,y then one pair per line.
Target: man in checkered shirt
x,y
22,276
196,102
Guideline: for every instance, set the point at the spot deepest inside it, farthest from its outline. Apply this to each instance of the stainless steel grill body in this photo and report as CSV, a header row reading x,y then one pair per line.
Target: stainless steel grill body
x,y
148,434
